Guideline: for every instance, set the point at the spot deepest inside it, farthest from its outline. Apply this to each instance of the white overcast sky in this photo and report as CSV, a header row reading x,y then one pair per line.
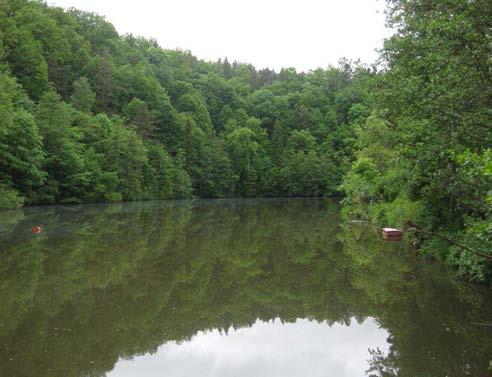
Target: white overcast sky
x,y
304,34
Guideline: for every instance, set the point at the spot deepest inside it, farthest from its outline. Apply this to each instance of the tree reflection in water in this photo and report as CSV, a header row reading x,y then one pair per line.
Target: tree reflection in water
x,y
104,282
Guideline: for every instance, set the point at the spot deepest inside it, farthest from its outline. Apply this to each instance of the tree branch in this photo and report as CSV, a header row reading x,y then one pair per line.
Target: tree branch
x,y
486,256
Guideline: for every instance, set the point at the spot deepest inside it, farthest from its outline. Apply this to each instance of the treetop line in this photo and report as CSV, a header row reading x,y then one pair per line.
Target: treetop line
x,y
87,115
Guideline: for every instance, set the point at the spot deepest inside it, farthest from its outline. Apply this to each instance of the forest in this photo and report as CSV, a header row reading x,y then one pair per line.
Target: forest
x,y
88,115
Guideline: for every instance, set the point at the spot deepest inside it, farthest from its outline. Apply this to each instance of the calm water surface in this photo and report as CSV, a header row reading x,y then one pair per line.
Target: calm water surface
x,y
257,288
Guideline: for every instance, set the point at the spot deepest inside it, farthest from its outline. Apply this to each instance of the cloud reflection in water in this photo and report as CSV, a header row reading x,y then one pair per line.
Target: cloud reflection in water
x,y
269,349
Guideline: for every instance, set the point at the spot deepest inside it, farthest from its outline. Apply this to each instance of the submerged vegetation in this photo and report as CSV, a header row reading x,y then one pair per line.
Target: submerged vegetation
x,y
87,115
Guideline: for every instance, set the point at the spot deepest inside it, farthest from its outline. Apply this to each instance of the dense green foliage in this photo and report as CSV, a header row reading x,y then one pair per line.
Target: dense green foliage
x,y
88,115
423,155
104,282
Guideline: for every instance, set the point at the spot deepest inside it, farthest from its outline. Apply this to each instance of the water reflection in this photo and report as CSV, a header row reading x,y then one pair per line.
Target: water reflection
x,y
104,283
273,349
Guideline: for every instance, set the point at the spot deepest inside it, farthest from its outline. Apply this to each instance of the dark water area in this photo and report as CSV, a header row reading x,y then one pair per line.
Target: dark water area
x,y
228,288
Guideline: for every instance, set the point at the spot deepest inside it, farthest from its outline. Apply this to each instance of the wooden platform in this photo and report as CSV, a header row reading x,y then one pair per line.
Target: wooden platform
x,y
392,234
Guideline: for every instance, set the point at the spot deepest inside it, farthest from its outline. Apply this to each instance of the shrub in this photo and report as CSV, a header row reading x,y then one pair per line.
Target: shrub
x,y
10,198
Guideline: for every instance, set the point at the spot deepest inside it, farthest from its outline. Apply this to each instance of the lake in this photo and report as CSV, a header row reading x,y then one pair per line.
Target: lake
x,y
246,287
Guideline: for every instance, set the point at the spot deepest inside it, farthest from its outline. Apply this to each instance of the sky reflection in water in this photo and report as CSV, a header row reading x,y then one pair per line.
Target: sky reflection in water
x,y
273,348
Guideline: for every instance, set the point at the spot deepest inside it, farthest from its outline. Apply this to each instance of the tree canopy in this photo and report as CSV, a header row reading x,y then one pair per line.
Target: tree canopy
x,y
89,115
115,117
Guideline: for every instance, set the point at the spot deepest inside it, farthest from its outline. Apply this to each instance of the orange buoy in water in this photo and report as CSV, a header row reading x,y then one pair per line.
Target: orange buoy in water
x,y
37,229
392,234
